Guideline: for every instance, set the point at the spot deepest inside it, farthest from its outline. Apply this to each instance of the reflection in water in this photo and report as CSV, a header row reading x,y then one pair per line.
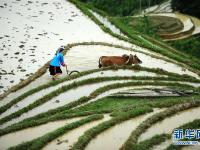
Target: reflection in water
x,y
18,137
114,137
163,145
67,140
32,98
62,99
168,124
31,32
87,57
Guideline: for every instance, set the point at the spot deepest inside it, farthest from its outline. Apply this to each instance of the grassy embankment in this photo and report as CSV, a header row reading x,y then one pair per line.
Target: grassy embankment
x,y
43,69
191,125
66,88
190,46
63,112
54,83
132,140
122,116
139,39
40,142
93,132
158,139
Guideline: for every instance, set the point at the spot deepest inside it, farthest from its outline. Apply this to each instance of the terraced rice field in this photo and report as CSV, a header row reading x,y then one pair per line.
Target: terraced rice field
x,y
190,24
124,107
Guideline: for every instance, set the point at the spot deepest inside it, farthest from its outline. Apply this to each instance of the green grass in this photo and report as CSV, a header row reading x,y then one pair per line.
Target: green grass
x,y
121,7
40,142
121,109
105,105
132,140
81,83
54,83
124,25
144,41
93,132
136,26
158,139
190,46
148,144
191,125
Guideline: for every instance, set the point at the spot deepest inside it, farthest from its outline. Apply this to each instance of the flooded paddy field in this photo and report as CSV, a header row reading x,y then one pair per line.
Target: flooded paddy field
x,y
45,78
118,99
13,139
175,121
33,30
85,56
61,100
114,137
67,140
30,99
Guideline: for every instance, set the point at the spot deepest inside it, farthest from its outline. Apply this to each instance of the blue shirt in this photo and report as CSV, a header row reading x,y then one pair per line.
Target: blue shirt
x,y
57,60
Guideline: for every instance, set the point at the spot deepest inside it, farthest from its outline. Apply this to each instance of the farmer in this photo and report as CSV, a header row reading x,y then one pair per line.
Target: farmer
x,y
56,62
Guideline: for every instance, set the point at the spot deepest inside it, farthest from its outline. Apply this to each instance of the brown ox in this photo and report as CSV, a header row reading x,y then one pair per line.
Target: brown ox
x,y
105,61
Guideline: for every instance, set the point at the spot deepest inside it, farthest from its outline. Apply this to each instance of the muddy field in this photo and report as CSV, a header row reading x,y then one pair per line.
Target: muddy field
x,y
126,107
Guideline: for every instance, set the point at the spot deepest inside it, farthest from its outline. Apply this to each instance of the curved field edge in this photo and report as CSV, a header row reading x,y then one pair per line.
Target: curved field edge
x,y
191,125
43,69
40,142
158,139
92,133
66,88
54,83
35,145
63,111
149,143
142,40
132,140
43,138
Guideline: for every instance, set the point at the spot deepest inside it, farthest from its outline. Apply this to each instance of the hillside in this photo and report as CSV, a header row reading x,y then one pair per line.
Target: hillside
x,y
135,79
122,7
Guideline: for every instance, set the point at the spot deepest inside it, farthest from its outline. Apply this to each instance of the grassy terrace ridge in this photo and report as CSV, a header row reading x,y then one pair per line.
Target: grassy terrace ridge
x,y
94,94
40,142
163,49
93,132
33,77
149,143
189,45
123,23
160,47
43,69
50,84
68,78
158,139
104,105
63,111
191,125
132,140
121,8
81,101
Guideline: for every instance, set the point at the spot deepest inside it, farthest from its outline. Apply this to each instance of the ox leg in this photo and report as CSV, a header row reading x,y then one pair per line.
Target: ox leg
x,y
100,65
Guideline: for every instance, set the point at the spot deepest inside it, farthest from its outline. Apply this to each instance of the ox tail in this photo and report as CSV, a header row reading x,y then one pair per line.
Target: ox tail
x,y
100,65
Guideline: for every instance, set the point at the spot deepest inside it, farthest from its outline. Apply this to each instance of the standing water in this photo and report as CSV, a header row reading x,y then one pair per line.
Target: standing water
x,y
31,31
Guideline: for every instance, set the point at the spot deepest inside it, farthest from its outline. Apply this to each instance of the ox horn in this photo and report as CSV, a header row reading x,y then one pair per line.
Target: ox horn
x,y
130,60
